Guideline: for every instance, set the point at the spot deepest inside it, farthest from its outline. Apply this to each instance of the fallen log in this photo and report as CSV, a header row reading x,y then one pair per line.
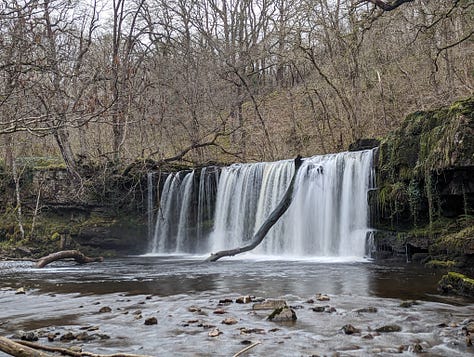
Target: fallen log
x,y
65,254
270,221
30,349
18,350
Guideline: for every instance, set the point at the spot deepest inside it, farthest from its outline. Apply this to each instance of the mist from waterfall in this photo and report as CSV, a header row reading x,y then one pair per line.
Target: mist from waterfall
x,y
211,210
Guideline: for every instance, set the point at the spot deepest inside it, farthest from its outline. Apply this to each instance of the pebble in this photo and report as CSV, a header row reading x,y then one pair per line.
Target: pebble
x,y
220,311
349,329
151,321
244,299
194,309
229,321
105,309
214,333
322,297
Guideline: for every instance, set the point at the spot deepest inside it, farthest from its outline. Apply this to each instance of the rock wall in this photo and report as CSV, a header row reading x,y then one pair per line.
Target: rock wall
x,y
425,173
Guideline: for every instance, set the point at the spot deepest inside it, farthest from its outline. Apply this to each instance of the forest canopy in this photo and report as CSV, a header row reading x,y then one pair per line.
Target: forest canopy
x,y
221,80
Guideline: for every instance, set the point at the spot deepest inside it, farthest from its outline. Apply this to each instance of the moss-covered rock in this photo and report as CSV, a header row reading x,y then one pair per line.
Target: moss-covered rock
x,y
425,176
456,283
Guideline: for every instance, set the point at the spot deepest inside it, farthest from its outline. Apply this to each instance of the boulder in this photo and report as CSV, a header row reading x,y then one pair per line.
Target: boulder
x,y
283,314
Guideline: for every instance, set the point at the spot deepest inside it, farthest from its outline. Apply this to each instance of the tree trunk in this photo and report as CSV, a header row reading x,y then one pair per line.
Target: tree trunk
x,y
265,227
18,350
64,254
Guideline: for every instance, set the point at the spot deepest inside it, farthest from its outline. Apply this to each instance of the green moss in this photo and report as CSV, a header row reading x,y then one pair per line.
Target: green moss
x,y
456,283
457,243
441,264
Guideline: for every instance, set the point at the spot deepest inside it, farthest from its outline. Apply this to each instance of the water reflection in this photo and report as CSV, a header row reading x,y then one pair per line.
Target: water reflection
x,y
173,275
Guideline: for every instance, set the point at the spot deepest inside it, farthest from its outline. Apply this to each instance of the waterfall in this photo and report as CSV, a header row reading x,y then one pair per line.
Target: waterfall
x,y
328,216
150,204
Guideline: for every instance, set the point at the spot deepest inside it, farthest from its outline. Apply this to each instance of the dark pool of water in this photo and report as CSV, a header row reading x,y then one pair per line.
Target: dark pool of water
x,y
171,275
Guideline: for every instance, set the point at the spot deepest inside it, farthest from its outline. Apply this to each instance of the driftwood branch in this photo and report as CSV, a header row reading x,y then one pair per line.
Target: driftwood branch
x,y
265,227
65,254
31,349
247,349
18,350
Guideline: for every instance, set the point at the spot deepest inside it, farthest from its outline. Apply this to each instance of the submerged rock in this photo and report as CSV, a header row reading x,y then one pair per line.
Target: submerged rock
x,y
68,336
322,297
409,303
84,336
349,329
194,309
369,309
270,305
229,321
29,336
151,321
244,299
283,314
215,332
225,301
388,328
105,309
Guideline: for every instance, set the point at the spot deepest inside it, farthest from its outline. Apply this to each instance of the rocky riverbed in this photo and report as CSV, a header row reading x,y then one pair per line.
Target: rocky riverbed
x,y
138,313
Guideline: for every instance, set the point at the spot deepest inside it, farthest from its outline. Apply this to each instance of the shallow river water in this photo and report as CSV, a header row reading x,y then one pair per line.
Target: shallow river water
x,y
183,293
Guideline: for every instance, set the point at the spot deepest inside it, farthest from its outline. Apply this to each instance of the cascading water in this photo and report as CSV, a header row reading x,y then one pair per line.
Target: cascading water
x,y
328,216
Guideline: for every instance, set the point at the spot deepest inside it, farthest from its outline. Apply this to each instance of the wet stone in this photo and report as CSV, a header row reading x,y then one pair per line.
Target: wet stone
x,y
20,291
229,321
225,301
369,309
84,336
469,328
194,309
416,348
319,308
349,329
29,336
409,303
51,337
388,328
68,336
322,297
220,311
244,299
368,337
151,321
105,309
214,333
247,331
282,314
137,312
296,307
245,342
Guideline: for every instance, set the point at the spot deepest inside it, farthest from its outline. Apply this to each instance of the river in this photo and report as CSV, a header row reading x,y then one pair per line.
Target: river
x,y
183,293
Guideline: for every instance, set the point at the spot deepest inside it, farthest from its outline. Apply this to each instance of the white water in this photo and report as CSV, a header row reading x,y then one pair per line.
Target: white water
x,y
328,216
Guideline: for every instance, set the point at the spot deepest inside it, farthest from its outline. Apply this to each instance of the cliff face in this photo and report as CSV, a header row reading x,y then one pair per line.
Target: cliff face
x,y
425,198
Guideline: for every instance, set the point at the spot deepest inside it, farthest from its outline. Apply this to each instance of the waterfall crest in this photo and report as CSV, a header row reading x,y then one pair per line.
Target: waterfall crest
x,y
328,216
